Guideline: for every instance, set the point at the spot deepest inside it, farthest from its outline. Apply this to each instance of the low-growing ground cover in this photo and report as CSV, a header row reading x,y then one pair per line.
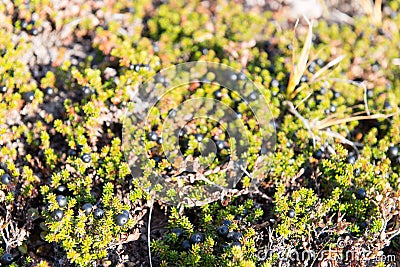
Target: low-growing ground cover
x,y
328,182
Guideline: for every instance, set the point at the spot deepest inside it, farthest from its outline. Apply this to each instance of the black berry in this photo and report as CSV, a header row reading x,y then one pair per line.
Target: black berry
x,y
122,219
241,76
253,96
393,151
186,245
172,113
160,79
323,90
61,200
351,159
357,172
233,77
160,140
178,231
320,62
336,94
387,105
86,158
35,31
6,259
318,154
98,213
291,213
237,236
196,238
3,89
274,83
363,225
230,236
223,230
6,179
61,189
361,194
86,90
153,136
125,212
218,94
226,222
236,244
199,137
87,208
57,215
49,91
72,152
220,144
29,96
304,79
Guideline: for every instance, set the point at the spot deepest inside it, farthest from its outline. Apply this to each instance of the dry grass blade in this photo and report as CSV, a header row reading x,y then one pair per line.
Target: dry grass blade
x,y
327,67
299,69
331,122
373,10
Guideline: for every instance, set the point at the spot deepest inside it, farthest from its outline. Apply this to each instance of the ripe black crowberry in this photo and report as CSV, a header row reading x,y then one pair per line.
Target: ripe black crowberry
x,y
361,194
61,189
87,208
98,213
252,96
323,90
122,219
223,230
86,90
226,222
125,212
237,236
363,225
178,231
318,154
196,238
49,91
199,137
351,159
57,215
236,244
72,152
7,258
275,83
218,94
233,77
291,213
393,151
6,179
153,136
160,79
86,158
186,245
34,31
61,200
230,236
172,113
220,144
336,94
241,76
29,96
